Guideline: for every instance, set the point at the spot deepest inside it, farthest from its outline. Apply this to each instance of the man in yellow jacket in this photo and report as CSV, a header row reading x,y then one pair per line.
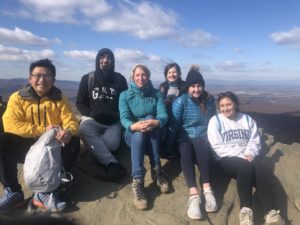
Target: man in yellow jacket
x,y
34,109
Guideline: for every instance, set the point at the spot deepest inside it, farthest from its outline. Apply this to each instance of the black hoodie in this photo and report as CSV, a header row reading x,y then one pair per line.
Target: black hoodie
x,y
101,100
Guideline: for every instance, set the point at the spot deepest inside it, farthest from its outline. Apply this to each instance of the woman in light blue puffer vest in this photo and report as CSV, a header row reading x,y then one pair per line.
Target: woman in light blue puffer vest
x,y
188,127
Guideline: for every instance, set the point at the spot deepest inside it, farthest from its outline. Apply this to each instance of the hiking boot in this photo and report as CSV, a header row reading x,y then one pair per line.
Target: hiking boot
x,y
246,216
10,200
48,201
140,200
159,178
273,218
193,206
210,202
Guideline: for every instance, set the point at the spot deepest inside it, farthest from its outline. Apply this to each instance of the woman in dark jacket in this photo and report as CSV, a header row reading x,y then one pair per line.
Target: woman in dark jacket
x,y
171,88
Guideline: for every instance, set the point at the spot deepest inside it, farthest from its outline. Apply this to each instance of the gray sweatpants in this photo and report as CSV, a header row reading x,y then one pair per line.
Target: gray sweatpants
x,y
100,139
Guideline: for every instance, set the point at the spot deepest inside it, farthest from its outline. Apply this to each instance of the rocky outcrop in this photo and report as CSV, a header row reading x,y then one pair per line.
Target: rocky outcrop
x,y
96,201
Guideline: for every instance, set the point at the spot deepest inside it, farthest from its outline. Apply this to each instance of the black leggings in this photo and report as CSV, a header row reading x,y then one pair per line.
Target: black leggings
x,y
13,149
247,175
195,151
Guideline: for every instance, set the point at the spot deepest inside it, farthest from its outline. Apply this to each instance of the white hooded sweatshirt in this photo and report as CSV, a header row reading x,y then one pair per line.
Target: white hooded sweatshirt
x,y
233,137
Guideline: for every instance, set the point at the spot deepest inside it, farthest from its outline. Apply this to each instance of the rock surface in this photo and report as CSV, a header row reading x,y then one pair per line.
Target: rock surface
x,y
95,201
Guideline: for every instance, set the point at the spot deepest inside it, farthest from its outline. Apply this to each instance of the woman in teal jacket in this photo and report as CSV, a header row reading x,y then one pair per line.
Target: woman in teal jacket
x,y
143,113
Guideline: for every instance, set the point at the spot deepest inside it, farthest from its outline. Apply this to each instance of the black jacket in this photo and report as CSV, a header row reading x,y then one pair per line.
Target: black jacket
x,y
101,100
164,87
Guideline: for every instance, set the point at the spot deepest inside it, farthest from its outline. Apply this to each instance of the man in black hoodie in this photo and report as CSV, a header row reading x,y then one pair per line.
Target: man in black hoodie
x,y
97,101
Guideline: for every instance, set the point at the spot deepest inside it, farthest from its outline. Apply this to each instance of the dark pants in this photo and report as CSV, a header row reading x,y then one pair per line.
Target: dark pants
x,y
13,149
247,175
195,151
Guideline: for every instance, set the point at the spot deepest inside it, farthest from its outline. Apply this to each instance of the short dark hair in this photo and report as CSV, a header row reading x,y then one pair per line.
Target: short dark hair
x,y
43,63
233,97
169,66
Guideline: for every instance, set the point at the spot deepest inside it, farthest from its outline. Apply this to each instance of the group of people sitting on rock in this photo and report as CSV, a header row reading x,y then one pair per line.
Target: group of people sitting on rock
x,y
179,115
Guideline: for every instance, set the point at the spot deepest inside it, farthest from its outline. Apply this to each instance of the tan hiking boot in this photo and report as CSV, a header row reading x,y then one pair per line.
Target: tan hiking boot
x,y
140,200
159,178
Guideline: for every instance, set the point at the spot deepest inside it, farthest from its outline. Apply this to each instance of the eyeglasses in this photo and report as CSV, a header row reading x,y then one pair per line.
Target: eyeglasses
x,y
47,76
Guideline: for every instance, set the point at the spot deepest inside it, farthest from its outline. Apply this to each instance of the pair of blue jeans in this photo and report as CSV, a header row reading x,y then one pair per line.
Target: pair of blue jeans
x,y
142,143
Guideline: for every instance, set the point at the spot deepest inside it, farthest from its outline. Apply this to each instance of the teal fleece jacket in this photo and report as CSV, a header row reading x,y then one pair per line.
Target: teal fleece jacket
x,y
135,104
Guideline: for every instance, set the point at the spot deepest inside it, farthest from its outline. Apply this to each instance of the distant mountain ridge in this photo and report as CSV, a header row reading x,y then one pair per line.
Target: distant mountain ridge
x,y
8,86
257,96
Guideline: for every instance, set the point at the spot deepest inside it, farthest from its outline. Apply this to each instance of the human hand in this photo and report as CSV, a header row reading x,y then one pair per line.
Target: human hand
x,y
140,126
249,158
145,125
64,136
152,123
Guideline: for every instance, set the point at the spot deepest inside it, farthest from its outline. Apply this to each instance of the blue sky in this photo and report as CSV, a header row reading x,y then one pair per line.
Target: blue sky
x,y
229,40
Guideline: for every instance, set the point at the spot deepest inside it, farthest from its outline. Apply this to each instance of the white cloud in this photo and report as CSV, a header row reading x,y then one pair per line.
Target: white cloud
x,y
144,20
127,58
22,13
130,55
232,66
66,11
197,37
291,38
237,50
19,36
81,54
17,54
124,58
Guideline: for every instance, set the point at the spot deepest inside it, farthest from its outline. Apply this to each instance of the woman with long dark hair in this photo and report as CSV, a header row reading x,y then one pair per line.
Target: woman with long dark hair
x,y
190,115
235,139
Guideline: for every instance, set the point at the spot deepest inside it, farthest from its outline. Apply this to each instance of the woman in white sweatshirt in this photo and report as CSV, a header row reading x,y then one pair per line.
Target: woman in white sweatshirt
x,y
234,137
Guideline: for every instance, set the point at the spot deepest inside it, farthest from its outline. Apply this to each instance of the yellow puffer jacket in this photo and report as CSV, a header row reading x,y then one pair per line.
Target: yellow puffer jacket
x,y
28,115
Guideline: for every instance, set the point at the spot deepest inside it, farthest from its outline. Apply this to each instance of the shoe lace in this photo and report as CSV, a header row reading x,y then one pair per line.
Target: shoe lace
x,y
159,176
274,216
44,197
210,199
246,217
161,179
10,194
140,190
10,198
194,199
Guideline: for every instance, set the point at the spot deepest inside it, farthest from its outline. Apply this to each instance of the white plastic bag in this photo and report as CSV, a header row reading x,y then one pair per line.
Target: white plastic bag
x,y
43,169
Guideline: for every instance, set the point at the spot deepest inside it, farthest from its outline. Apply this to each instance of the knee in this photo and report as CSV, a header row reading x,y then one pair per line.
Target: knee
x,y
85,126
246,168
113,145
138,135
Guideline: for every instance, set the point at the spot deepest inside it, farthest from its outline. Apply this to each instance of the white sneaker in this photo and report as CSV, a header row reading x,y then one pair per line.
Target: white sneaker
x,y
246,216
273,218
210,202
193,206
